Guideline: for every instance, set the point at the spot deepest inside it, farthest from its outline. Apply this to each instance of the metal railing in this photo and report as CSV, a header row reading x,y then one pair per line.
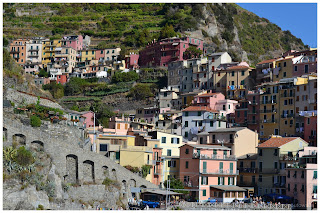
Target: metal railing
x,y
287,115
274,101
268,121
229,206
284,95
219,171
214,157
249,170
268,111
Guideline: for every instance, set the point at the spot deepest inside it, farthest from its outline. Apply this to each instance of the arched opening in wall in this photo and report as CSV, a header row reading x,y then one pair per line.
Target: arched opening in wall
x,y
19,139
124,188
5,134
37,145
105,170
88,171
132,184
114,174
72,175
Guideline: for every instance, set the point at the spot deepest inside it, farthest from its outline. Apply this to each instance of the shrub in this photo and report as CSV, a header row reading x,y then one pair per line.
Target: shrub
x,y
40,207
145,170
35,121
24,157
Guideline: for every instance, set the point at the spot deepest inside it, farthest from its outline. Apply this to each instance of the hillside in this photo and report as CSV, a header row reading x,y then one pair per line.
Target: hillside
x,y
224,27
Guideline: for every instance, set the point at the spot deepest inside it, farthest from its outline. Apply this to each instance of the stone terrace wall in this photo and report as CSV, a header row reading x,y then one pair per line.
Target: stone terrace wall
x,y
83,162
19,97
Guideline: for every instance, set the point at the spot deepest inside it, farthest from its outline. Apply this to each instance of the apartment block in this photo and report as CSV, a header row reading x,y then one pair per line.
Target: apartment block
x,y
18,50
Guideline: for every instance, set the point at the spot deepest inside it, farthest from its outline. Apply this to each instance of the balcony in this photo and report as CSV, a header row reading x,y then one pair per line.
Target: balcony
x,y
230,141
312,137
268,111
269,102
33,50
279,185
214,157
287,116
14,51
312,101
287,95
220,172
253,103
252,122
269,171
252,112
287,157
264,121
249,170
189,184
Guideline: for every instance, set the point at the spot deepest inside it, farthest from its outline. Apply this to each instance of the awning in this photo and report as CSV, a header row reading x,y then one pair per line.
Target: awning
x,y
161,192
228,188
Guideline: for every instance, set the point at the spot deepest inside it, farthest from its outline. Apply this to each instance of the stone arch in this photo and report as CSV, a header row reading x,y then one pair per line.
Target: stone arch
x,y
124,188
105,171
88,171
37,145
114,174
143,187
5,134
72,169
19,139
132,183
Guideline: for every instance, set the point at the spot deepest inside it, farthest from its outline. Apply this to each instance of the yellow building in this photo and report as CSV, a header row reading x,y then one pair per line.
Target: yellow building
x,y
87,55
248,172
110,145
48,50
170,144
274,156
284,67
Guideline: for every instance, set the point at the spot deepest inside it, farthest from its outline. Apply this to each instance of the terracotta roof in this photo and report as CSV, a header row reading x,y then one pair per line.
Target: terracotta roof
x,y
277,142
199,108
238,68
207,94
267,61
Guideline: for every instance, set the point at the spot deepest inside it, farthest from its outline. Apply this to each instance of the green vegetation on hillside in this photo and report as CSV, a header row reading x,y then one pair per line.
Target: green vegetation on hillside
x,y
136,25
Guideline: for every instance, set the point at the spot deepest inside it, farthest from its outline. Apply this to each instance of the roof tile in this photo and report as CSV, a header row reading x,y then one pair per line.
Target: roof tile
x,y
277,142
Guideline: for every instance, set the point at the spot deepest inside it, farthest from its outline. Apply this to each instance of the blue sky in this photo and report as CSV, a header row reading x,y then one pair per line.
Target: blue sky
x,y
299,18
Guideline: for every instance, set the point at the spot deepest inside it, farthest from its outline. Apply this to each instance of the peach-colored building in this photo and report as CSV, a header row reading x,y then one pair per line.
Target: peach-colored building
x,y
18,50
302,179
210,172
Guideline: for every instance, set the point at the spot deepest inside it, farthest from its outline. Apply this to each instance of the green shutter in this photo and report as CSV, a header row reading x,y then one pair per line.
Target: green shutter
x,y
117,155
218,180
314,174
204,192
201,180
228,180
222,180
231,168
205,167
221,166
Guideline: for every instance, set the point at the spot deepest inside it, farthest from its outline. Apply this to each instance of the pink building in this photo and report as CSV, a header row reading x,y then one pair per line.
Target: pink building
x,y
216,101
76,42
310,128
167,50
307,64
100,55
302,179
88,115
132,61
211,170
62,79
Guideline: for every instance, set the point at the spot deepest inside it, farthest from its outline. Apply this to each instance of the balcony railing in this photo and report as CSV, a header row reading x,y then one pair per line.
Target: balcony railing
x,y
269,101
287,157
268,121
214,157
253,103
249,170
268,171
189,184
220,171
268,111
252,122
222,141
287,95
287,115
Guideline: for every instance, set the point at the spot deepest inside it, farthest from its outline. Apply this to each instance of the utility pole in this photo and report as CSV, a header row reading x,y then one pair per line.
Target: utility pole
x,y
167,195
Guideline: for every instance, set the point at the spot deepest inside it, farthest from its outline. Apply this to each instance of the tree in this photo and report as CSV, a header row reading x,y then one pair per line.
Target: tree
x,y
140,92
43,73
167,32
175,184
192,52
75,86
125,77
57,90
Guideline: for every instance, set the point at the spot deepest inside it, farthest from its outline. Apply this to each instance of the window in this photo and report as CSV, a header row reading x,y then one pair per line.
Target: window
x,y
223,107
204,192
213,138
211,123
275,165
232,73
284,74
103,147
186,134
220,180
285,102
168,152
186,113
187,164
314,174
253,179
315,189
306,68
284,64
242,73
288,187
302,174
260,178
232,82
172,163
242,82
230,181
186,123
297,99
275,152
295,68
204,180
302,188
260,152
199,113
163,139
